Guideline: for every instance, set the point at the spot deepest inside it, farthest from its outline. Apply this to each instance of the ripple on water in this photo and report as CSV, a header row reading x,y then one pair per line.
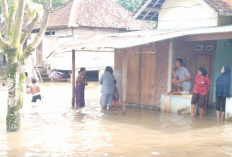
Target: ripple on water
x,y
53,128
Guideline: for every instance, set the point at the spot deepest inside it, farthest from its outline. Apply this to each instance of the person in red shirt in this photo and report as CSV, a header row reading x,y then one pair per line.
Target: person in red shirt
x,y
201,88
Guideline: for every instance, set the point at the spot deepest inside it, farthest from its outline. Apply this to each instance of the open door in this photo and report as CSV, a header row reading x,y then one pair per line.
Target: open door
x,y
204,61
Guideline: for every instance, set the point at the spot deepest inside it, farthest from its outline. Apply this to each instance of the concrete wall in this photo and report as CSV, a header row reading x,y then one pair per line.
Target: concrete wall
x,y
180,104
186,14
87,33
223,56
228,112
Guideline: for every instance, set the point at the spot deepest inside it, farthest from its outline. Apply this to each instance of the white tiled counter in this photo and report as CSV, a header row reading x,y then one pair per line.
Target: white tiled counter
x,y
180,104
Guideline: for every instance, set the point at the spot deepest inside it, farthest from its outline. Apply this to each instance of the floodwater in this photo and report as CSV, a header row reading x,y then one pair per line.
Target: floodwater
x,y
53,128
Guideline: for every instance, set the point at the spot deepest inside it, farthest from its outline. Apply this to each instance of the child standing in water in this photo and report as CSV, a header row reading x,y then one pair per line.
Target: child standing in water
x,y
35,90
115,96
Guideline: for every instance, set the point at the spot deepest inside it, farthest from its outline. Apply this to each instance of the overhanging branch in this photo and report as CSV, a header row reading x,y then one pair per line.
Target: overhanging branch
x,y
30,48
11,19
29,29
4,9
18,22
2,43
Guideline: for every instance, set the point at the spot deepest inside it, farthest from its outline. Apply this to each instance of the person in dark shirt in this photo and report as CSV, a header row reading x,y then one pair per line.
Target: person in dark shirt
x,y
80,88
223,87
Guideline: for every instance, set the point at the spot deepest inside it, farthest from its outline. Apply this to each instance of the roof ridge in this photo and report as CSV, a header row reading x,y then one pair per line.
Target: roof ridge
x,y
95,13
220,7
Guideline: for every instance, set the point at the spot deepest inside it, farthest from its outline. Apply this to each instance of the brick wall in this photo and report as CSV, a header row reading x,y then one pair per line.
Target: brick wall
x,y
182,49
162,51
187,51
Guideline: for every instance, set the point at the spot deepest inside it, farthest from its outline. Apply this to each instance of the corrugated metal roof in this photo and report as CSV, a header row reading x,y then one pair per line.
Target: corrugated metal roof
x,y
131,39
149,10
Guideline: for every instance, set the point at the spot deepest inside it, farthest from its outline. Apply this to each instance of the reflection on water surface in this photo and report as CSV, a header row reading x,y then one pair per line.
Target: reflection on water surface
x,y
53,128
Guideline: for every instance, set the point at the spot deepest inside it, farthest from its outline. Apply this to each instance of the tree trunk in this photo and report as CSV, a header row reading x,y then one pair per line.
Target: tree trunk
x,y
15,99
13,116
12,48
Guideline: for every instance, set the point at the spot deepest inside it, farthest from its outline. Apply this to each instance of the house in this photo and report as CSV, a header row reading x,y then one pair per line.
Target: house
x,y
203,38
199,31
77,21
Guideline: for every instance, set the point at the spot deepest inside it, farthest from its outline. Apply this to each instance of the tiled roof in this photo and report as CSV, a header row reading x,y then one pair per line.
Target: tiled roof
x,y
95,13
220,5
90,13
107,14
60,16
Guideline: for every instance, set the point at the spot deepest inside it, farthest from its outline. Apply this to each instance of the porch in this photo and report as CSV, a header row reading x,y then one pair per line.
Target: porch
x,y
181,104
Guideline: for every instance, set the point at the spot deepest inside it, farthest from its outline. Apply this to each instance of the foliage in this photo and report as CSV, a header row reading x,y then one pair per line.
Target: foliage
x,y
130,5
55,3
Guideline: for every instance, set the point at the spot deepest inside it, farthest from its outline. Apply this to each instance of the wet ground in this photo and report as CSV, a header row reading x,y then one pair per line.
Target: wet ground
x,y
53,128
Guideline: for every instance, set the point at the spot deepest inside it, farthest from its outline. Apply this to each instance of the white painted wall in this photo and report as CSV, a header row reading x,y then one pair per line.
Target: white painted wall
x,y
186,14
90,60
228,112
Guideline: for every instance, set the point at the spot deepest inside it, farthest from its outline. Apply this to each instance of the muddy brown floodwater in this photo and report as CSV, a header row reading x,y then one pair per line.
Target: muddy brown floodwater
x,y
53,128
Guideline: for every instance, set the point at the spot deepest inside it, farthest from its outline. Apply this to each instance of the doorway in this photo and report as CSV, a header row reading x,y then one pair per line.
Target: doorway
x,y
140,88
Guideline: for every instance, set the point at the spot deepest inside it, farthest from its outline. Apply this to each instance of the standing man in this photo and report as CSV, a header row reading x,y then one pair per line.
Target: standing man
x,y
80,88
107,82
181,77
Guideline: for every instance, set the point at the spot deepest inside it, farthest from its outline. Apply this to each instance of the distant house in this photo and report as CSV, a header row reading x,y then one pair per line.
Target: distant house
x,y
77,21
199,31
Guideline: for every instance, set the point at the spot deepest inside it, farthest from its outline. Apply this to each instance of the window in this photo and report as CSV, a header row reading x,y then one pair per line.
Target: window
x,y
209,47
199,47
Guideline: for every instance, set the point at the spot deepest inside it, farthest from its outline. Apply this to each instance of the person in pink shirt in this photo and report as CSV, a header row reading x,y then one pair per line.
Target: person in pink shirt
x,y
201,88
